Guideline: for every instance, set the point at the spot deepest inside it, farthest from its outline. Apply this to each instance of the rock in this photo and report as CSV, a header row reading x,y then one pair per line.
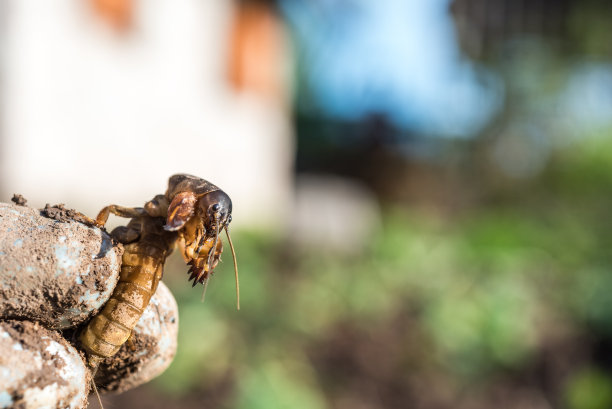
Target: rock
x,y
155,341
56,273
53,270
39,369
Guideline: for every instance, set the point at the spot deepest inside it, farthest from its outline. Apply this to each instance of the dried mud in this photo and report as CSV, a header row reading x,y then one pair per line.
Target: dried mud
x,y
38,368
19,200
53,270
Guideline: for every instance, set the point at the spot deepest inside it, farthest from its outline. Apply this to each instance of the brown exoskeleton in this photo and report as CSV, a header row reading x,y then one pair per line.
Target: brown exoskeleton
x,y
191,213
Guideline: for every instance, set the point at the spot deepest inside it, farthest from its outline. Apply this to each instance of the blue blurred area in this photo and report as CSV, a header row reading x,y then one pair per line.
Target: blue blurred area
x,y
392,57
587,99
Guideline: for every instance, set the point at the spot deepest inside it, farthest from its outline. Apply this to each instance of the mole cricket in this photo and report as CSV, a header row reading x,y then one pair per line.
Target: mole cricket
x,y
191,214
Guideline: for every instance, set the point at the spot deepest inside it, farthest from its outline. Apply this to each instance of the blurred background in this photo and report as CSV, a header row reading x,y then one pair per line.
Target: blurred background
x,y
421,188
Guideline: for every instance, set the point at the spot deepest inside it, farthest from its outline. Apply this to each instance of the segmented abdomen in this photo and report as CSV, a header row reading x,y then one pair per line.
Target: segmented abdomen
x,y
141,270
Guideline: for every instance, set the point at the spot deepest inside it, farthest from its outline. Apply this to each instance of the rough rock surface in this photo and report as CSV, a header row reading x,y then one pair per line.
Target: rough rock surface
x,y
55,274
56,271
39,369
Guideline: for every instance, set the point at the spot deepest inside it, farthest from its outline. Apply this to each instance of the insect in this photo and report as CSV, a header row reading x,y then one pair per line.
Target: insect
x,y
192,214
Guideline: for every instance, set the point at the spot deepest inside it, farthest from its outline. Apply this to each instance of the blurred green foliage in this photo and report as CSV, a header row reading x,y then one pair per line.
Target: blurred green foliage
x,y
589,389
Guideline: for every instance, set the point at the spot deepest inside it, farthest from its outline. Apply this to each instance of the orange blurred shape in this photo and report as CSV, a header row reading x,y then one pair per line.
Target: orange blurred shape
x,y
117,13
257,57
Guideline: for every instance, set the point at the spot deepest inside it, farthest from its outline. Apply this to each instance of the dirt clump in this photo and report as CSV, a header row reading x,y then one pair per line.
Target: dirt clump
x,y
114,372
59,212
19,200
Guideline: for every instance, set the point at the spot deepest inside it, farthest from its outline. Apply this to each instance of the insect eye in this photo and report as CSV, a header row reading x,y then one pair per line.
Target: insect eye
x,y
229,218
216,207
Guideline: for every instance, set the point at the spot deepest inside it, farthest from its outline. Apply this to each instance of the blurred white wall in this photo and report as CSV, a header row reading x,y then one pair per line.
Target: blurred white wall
x,y
92,116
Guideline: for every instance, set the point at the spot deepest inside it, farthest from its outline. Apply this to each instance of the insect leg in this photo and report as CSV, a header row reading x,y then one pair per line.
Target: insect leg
x,y
130,342
128,234
125,235
119,211
80,217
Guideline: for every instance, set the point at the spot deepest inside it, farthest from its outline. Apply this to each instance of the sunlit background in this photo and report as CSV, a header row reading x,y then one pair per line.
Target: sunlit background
x,y
422,188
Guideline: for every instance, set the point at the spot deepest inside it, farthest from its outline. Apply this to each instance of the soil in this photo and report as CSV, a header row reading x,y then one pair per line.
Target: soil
x,y
19,200
62,214
28,334
114,373
39,366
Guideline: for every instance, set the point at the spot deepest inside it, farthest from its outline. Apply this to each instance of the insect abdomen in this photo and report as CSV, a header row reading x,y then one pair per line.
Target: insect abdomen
x,y
141,271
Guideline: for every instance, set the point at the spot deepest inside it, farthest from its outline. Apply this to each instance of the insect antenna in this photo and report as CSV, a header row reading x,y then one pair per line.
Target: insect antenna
x,y
229,239
94,362
95,388
205,283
